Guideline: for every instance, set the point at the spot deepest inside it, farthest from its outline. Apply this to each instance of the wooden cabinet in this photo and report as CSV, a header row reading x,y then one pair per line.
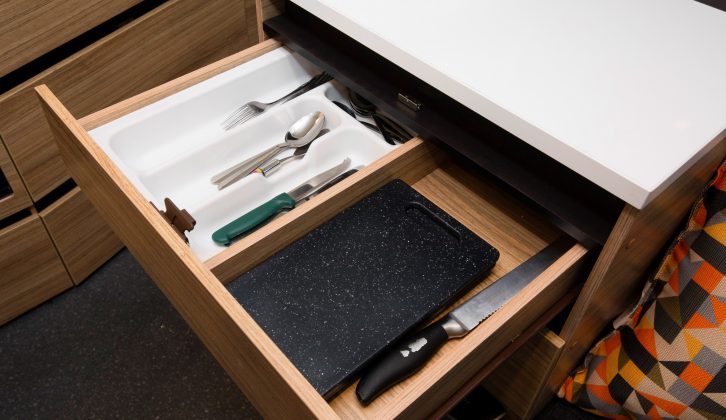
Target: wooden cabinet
x,y
518,226
518,381
150,43
32,28
83,239
167,42
31,271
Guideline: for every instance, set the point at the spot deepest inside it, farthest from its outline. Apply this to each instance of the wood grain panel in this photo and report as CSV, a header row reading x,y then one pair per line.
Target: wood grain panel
x,y
19,198
618,274
517,382
267,9
30,270
83,239
167,42
31,28
251,25
260,369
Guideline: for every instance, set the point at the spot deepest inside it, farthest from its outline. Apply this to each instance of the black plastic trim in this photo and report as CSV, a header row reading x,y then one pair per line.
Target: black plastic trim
x,y
55,194
5,189
14,218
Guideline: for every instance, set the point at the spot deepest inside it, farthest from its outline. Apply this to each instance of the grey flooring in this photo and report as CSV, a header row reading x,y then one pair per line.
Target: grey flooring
x,y
112,347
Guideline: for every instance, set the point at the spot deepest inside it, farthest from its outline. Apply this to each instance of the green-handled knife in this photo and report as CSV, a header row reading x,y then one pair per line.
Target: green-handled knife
x,y
284,201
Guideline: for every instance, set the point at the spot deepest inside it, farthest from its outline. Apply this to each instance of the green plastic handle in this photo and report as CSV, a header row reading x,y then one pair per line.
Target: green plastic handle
x,y
254,218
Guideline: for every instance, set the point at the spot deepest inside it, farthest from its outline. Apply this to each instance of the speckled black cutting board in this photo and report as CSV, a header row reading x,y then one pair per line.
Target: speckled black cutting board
x,y
339,295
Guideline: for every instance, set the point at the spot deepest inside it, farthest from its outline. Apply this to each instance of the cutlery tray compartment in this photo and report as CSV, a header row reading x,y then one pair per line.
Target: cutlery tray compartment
x,y
173,147
119,183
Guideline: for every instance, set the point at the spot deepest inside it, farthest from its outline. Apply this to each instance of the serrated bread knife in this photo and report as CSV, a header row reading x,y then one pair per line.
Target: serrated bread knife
x,y
410,354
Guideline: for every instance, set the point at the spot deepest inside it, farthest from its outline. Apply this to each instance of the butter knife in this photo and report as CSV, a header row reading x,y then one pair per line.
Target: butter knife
x,y
285,201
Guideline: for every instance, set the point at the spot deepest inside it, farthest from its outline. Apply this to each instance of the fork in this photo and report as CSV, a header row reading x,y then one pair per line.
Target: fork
x,y
254,108
391,131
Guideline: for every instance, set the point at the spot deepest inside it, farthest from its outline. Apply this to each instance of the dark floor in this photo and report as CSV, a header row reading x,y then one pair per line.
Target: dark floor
x,y
114,347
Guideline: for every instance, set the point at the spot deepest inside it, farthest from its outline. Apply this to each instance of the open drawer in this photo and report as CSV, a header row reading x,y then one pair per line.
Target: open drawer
x,y
193,278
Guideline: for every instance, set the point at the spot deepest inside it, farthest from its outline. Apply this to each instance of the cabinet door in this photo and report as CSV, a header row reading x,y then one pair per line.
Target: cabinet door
x,y
171,40
32,28
83,239
30,270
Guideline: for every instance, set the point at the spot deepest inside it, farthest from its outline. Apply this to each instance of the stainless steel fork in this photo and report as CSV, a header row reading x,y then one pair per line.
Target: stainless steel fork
x,y
254,108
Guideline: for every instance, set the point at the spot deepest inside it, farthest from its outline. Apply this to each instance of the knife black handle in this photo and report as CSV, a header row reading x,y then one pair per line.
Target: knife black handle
x,y
405,359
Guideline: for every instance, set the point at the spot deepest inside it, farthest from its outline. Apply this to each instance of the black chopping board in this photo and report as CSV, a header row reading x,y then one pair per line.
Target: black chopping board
x,y
339,295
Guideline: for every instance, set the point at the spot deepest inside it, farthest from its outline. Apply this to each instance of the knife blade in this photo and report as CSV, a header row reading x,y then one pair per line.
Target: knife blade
x,y
409,355
285,201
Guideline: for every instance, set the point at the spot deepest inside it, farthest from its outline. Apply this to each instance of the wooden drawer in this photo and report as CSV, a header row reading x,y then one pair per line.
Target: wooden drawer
x,y
167,42
32,28
196,287
83,239
13,196
30,270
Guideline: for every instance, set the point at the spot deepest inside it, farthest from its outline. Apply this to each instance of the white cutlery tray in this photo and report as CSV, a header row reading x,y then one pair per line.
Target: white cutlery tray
x,y
173,147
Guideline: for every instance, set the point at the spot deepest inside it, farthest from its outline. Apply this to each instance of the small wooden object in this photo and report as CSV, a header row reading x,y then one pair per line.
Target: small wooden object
x,y
180,220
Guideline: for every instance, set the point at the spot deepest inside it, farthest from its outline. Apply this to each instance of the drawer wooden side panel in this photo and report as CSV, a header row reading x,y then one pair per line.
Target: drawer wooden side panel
x,y
267,9
167,42
252,360
32,28
83,239
18,199
30,270
517,382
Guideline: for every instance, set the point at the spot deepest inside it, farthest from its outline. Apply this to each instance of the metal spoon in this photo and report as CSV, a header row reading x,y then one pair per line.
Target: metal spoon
x,y
301,133
274,164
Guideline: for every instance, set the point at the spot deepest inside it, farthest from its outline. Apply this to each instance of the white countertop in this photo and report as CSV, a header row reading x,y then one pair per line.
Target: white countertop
x,y
628,93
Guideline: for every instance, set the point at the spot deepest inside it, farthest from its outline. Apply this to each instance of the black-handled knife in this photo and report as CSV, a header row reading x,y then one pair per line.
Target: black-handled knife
x,y
411,354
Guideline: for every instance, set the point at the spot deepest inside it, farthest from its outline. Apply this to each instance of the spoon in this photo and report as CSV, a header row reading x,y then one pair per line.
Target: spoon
x,y
300,134
274,164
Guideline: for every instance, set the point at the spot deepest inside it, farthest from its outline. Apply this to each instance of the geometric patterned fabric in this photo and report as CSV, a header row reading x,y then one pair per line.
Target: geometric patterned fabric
x,y
668,358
